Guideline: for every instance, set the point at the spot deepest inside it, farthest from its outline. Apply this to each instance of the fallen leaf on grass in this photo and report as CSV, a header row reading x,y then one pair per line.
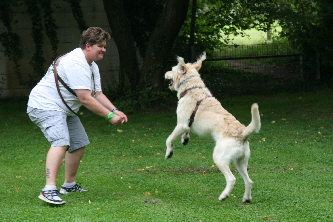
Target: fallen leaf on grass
x,y
152,201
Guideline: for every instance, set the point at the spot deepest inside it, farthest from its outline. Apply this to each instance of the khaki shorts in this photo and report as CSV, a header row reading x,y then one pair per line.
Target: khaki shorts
x,y
60,129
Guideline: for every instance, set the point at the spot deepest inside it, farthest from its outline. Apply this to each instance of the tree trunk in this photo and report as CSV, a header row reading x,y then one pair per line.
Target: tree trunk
x,y
122,34
161,41
192,30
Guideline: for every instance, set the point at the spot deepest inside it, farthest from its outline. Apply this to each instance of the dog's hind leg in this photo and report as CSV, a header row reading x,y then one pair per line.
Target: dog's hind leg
x,y
179,130
186,138
241,165
230,180
222,162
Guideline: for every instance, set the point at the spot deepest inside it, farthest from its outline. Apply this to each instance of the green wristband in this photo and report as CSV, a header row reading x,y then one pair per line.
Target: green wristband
x,y
111,114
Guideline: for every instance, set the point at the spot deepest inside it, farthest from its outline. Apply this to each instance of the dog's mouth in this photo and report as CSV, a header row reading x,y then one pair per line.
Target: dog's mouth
x,y
171,83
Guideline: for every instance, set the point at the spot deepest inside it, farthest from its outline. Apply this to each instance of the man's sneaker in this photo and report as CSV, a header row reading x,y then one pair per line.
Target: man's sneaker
x,y
75,188
51,196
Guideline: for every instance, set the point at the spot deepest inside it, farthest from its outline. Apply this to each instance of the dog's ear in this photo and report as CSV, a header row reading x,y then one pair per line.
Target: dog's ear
x,y
181,68
197,65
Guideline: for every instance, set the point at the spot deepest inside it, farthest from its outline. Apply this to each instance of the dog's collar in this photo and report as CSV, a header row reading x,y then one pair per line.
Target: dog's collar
x,y
182,82
184,93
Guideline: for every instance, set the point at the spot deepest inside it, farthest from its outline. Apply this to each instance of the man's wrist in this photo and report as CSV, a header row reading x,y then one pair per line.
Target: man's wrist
x,y
110,115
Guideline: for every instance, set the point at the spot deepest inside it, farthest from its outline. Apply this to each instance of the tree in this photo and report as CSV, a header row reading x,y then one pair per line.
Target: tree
x,y
215,21
305,23
308,25
160,39
123,37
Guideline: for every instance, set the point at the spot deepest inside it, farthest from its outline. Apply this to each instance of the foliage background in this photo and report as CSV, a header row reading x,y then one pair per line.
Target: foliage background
x,y
305,23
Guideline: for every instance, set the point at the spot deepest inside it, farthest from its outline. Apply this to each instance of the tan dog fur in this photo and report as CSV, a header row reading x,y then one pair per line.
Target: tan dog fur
x,y
231,137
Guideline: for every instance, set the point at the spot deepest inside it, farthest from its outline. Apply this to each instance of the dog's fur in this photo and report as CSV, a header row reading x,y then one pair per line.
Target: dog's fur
x,y
231,137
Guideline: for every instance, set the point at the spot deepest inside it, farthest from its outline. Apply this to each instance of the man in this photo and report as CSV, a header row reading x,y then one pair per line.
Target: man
x,y
61,127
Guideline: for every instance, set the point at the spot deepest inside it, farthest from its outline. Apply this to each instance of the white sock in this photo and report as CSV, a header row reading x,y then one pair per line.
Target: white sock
x,y
69,184
50,187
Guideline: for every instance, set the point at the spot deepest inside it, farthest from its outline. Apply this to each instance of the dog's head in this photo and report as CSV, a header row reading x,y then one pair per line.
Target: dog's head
x,y
182,71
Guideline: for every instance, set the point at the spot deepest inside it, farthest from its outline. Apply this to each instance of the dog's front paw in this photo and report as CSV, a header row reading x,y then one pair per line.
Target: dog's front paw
x,y
185,141
169,155
185,138
223,197
247,199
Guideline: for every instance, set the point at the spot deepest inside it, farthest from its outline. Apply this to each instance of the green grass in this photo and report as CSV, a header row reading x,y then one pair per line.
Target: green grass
x,y
129,180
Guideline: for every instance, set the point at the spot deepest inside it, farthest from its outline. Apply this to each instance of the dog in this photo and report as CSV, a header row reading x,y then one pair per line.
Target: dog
x,y
201,113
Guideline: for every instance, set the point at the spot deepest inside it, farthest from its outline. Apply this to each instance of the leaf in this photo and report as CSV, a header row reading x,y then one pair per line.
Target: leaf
x,y
120,131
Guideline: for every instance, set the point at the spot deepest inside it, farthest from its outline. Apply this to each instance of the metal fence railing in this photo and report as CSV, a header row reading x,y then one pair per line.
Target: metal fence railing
x,y
278,59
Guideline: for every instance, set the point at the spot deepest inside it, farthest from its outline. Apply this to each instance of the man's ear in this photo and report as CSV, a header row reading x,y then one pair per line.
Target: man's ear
x,y
88,46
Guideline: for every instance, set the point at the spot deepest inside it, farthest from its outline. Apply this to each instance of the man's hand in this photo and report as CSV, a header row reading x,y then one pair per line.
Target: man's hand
x,y
117,120
121,114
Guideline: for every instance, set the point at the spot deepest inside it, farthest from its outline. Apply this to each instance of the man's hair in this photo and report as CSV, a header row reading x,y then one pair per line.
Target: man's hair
x,y
92,36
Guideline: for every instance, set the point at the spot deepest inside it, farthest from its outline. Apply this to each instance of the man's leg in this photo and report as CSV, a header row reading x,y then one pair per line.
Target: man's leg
x,y
78,141
54,160
54,126
72,164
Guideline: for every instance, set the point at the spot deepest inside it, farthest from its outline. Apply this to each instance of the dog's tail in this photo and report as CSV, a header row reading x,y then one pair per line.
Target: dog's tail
x,y
255,124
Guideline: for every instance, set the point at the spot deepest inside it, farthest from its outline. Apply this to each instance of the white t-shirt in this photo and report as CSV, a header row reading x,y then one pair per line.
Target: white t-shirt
x,y
74,69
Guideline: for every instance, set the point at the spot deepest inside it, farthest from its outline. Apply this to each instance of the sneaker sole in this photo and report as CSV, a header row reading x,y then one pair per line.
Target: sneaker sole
x,y
51,202
63,191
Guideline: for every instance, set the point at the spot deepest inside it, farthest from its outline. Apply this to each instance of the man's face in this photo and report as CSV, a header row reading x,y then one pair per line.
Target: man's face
x,y
97,51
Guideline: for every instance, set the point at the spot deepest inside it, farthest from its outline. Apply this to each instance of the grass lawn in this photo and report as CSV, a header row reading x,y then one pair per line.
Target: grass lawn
x,y
129,179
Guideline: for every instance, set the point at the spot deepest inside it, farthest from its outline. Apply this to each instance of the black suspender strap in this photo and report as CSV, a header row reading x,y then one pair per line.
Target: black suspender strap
x,y
59,79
